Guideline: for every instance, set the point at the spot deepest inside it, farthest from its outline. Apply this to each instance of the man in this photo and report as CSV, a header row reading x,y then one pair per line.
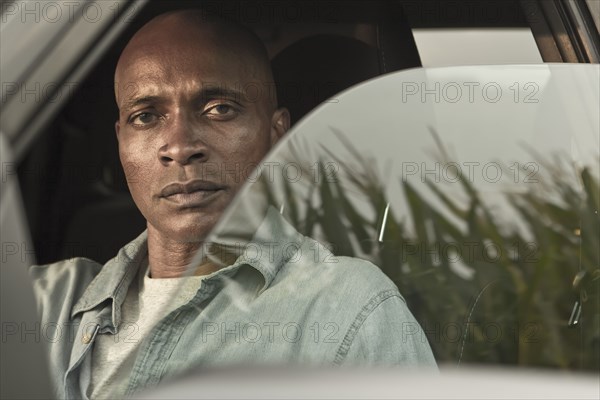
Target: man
x,y
184,118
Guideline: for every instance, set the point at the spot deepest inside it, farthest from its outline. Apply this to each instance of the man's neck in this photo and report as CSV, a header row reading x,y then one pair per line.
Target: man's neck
x,y
171,259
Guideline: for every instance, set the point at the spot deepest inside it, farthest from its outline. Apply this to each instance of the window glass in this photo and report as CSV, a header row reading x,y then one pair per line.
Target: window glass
x,y
475,189
481,46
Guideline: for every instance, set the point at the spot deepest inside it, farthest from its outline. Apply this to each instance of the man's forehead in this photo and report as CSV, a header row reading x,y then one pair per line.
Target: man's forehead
x,y
164,56
150,78
146,88
170,53
172,62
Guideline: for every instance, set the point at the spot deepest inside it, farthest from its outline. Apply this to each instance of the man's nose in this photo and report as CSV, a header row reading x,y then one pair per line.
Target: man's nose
x,y
183,144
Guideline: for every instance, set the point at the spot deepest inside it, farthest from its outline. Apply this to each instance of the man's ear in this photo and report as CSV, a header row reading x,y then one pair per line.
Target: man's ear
x,y
280,123
117,128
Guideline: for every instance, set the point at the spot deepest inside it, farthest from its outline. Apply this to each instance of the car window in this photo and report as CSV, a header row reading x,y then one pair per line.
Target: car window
x,y
474,189
476,46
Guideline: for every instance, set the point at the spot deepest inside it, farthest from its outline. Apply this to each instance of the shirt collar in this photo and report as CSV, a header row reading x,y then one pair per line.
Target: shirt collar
x,y
114,278
272,245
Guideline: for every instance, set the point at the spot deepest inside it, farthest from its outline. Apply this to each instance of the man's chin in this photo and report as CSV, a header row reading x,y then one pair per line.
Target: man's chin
x,y
189,228
191,233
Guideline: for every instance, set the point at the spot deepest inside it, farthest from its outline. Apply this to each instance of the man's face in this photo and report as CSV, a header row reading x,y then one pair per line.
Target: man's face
x,y
188,135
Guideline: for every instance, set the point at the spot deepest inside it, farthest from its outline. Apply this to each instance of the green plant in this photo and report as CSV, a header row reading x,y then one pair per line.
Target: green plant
x,y
510,299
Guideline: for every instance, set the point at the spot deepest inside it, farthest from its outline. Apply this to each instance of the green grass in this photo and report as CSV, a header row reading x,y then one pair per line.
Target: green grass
x,y
515,306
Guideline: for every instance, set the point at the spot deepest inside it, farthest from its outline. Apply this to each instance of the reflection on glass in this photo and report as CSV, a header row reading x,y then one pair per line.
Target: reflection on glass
x,y
486,289
491,237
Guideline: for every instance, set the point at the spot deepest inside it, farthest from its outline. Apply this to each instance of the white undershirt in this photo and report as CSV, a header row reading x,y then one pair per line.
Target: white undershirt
x,y
147,302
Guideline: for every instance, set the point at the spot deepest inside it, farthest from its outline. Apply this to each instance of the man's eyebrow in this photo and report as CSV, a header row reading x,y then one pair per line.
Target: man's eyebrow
x,y
136,101
205,94
212,92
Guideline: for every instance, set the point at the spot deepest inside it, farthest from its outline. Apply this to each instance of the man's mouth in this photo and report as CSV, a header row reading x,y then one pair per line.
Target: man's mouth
x,y
192,193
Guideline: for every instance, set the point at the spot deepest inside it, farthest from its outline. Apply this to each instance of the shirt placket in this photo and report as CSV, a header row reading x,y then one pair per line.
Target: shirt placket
x,y
151,362
77,376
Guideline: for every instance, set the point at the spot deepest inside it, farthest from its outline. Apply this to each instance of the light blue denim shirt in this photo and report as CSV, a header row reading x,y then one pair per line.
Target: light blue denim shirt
x,y
287,300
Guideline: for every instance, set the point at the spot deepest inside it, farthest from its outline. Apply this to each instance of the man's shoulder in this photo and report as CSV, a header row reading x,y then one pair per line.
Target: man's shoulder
x,y
354,268
367,307
73,270
62,282
351,277
70,265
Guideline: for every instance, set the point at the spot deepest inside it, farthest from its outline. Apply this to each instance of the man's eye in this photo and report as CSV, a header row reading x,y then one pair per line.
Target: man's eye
x,y
220,110
143,118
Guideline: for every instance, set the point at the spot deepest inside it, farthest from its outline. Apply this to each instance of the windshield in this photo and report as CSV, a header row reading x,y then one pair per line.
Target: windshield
x,y
474,189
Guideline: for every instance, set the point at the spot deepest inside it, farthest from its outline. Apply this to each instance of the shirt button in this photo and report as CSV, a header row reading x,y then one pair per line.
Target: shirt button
x,y
86,338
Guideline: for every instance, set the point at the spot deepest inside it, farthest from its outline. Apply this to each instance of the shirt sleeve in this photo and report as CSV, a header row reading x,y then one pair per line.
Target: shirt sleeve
x,y
388,335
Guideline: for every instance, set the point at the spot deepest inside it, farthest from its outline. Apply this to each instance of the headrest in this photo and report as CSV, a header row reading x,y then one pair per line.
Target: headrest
x,y
316,68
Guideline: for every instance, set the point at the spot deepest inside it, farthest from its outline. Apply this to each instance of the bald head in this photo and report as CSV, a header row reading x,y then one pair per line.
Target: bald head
x,y
194,33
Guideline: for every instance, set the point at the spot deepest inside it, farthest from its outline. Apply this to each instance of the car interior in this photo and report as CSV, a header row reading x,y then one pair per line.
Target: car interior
x,y
75,195
74,191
